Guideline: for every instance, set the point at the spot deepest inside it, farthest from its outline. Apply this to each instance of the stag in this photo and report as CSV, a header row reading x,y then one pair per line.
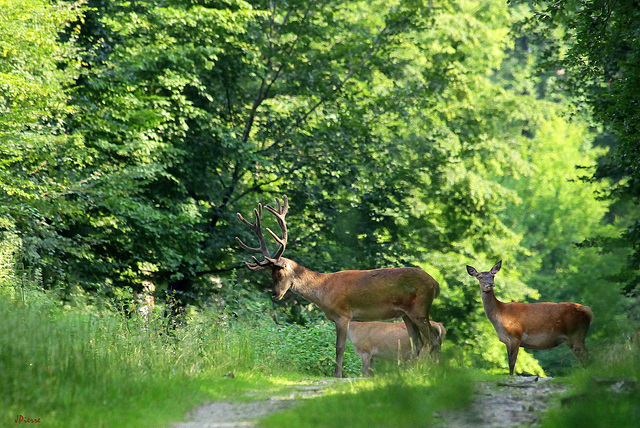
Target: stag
x,y
386,341
533,325
360,295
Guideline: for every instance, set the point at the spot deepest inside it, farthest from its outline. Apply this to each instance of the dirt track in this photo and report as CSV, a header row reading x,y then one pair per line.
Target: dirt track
x,y
513,402
223,414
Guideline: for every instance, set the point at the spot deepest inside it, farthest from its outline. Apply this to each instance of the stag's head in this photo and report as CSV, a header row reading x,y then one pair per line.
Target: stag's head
x,y
485,278
281,267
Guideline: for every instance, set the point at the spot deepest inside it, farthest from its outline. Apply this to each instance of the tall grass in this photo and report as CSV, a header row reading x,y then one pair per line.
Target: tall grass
x,y
74,368
88,365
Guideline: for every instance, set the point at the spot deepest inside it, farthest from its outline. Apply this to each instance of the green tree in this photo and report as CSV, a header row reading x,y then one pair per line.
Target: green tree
x,y
593,49
403,133
38,162
341,105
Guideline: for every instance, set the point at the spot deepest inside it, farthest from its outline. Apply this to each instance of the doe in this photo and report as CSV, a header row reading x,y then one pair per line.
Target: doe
x,y
387,341
533,325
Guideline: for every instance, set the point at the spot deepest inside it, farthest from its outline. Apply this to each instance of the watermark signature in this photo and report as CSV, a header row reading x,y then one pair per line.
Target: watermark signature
x,y
21,419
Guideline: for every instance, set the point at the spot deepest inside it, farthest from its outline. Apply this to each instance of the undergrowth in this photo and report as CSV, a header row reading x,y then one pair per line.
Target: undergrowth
x,y
100,364
90,365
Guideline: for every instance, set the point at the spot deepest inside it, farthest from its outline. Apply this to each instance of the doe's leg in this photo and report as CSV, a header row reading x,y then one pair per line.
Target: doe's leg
x,y
512,353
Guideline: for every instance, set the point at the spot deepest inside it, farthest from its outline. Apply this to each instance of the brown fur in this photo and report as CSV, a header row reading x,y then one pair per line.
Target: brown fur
x,y
386,341
364,295
361,295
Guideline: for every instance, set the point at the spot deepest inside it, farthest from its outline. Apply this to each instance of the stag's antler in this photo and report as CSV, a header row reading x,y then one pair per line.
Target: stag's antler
x,y
280,214
256,227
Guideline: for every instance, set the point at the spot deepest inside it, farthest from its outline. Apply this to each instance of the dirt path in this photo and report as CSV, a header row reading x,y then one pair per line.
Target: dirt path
x,y
515,402
232,414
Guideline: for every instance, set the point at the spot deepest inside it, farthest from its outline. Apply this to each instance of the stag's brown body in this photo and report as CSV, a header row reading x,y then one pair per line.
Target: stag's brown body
x,y
361,295
386,341
364,295
533,325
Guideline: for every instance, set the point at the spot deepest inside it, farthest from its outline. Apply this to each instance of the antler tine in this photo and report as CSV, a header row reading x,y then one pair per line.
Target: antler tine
x,y
246,247
257,265
257,229
280,215
253,266
257,212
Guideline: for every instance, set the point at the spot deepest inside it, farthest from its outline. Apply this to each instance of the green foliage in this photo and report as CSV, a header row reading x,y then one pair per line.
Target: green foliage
x,y
404,133
592,49
309,349
556,232
37,158
9,245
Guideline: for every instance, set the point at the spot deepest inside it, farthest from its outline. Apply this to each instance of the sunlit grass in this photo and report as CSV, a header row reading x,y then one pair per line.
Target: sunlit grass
x,y
89,367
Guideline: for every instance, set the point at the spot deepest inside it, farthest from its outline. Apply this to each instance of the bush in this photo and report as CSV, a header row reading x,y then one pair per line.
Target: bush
x,y
307,349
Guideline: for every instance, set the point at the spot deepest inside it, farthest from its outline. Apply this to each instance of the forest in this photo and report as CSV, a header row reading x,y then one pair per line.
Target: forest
x,y
426,133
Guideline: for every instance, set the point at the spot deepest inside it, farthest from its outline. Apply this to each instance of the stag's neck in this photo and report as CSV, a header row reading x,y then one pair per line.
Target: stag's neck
x,y
491,305
308,283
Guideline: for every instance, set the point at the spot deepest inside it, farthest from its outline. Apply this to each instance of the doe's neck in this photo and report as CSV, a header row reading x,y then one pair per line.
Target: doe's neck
x,y
491,303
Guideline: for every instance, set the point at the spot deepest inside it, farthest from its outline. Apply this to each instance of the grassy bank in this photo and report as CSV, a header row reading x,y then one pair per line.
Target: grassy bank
x,y
85,366
73,368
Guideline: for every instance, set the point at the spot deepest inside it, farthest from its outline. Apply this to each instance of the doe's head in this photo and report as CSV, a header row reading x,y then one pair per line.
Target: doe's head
x,y
485,278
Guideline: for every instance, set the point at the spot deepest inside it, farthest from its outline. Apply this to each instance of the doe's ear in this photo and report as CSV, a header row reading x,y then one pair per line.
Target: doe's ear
x,y
471,270
496,268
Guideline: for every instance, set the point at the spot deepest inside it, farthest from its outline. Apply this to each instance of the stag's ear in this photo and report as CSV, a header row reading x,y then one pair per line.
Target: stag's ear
x,y
496,268
471,270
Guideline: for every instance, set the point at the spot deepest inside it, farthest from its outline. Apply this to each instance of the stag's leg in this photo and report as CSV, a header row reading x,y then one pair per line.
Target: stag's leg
x,y
414,334
512,353
419,315
342,326
422,322
580,351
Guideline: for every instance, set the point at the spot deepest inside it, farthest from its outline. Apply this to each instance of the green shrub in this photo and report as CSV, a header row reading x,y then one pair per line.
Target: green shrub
x,y
306,349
